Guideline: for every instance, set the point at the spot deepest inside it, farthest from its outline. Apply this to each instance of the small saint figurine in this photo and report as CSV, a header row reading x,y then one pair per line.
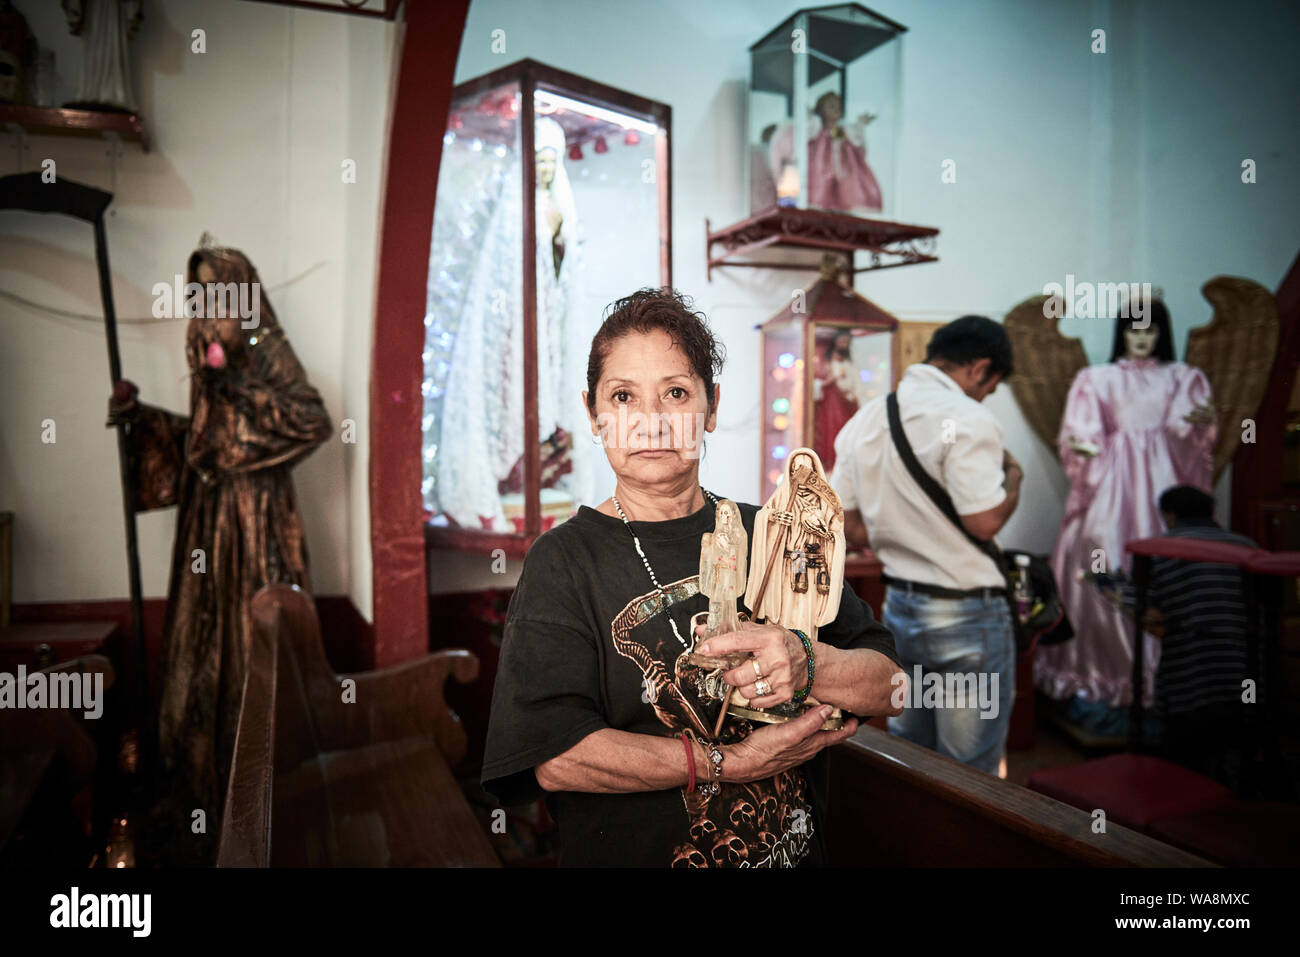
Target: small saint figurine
x,y
839,176
723,553
106,27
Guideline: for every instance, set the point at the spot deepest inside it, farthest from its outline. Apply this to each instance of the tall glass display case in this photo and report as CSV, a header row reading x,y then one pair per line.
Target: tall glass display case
x,y
824,355
553,200
823,119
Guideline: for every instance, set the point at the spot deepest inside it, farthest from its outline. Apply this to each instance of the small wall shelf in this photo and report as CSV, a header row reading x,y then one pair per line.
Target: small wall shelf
x,y
889,243
56,121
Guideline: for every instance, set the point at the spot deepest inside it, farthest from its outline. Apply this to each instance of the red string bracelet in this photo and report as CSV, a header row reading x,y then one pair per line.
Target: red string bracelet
x,y
690,761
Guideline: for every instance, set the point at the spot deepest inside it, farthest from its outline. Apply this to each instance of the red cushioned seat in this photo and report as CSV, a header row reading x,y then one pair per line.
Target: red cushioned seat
x,y
1237,834
1286,564
1133,789
1193,550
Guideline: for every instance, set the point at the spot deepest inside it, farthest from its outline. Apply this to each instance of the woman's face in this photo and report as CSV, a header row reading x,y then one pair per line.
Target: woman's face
x,y
1140,343
651,411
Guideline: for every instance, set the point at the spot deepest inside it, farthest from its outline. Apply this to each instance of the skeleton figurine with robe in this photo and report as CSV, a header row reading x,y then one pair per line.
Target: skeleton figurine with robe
x,y
798,572
799,550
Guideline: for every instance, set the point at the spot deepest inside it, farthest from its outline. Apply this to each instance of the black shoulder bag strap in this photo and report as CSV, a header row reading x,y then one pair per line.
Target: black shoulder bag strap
x,y
938,494
943,500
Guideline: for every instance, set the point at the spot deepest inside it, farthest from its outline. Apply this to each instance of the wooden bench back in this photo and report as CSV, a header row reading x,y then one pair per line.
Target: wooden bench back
x,y
245,839
274,767
345,769
894,803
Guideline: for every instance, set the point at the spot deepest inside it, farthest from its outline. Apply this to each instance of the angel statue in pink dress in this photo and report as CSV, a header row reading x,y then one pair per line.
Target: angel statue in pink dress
x,y
1133,427
838,175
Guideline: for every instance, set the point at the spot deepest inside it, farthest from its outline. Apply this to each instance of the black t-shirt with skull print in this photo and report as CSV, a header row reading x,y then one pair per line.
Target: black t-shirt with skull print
x,y
587,646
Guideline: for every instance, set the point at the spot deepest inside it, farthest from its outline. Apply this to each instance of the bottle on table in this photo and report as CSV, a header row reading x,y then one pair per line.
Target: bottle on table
x,y
1022,593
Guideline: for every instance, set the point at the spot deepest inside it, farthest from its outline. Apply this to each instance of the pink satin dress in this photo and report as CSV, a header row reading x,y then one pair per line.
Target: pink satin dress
x,y
1132,410
839,177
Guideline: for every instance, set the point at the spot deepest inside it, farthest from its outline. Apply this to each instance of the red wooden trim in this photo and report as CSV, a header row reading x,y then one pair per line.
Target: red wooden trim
x,y
570,84
477,542
430,45
664,160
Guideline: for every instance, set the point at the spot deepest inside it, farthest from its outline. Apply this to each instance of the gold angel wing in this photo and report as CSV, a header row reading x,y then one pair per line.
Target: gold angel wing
x,y
1046,363
1236,352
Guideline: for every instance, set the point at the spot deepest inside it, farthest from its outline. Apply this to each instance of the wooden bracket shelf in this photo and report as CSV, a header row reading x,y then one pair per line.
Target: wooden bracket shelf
x,y
57,121
889,243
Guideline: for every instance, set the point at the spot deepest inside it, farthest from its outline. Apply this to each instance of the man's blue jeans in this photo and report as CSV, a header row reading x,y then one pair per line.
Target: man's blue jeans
x,y
966,652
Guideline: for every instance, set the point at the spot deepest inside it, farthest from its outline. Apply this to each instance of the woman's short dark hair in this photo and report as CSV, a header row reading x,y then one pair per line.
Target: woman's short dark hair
x,y
969,339
645,311
1186,501
1158,317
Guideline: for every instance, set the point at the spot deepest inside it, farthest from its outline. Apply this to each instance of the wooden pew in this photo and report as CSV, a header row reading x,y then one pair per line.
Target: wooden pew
x,y
47,755
318,780
896,804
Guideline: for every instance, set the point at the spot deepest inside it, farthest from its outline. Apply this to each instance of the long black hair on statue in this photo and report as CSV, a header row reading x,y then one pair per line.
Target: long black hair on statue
x,y
1158,316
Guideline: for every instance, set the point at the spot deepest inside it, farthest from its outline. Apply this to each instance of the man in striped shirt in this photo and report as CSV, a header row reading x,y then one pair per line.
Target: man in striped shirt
x,y
1203,655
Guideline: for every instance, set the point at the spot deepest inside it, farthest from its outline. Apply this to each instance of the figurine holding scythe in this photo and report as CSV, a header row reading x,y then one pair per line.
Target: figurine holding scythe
x,y
799,547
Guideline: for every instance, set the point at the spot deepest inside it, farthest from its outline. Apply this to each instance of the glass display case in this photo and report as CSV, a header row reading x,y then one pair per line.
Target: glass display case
x,y
824,355
823,119
516,291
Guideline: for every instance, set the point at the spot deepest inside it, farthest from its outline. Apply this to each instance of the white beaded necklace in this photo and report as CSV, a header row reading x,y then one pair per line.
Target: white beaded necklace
x,y
646,562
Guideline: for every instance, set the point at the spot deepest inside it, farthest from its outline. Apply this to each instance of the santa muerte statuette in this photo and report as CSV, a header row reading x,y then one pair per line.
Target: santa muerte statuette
x,y
798,567
796,581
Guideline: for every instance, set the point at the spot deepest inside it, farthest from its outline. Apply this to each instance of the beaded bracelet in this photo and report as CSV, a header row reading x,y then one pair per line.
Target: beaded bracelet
x,y
715,765
799,696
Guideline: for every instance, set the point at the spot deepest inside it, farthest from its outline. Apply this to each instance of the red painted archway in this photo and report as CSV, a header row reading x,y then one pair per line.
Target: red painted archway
x,y
429,45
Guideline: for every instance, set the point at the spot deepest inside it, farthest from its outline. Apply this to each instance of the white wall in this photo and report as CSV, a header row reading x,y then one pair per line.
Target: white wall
x,y
247,142
1116,167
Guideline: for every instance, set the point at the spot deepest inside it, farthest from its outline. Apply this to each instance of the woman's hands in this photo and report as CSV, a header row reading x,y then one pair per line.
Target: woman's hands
x,y
782,661
774,748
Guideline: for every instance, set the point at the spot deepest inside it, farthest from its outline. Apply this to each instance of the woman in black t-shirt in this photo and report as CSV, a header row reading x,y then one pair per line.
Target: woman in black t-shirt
x,y
587,707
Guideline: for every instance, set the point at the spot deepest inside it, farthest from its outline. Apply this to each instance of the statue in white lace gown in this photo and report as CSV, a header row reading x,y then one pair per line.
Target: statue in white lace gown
x,y
723,554
482,438
105,26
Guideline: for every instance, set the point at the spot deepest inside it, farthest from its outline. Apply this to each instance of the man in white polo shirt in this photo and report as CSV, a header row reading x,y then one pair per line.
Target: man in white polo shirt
x,y
945,600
